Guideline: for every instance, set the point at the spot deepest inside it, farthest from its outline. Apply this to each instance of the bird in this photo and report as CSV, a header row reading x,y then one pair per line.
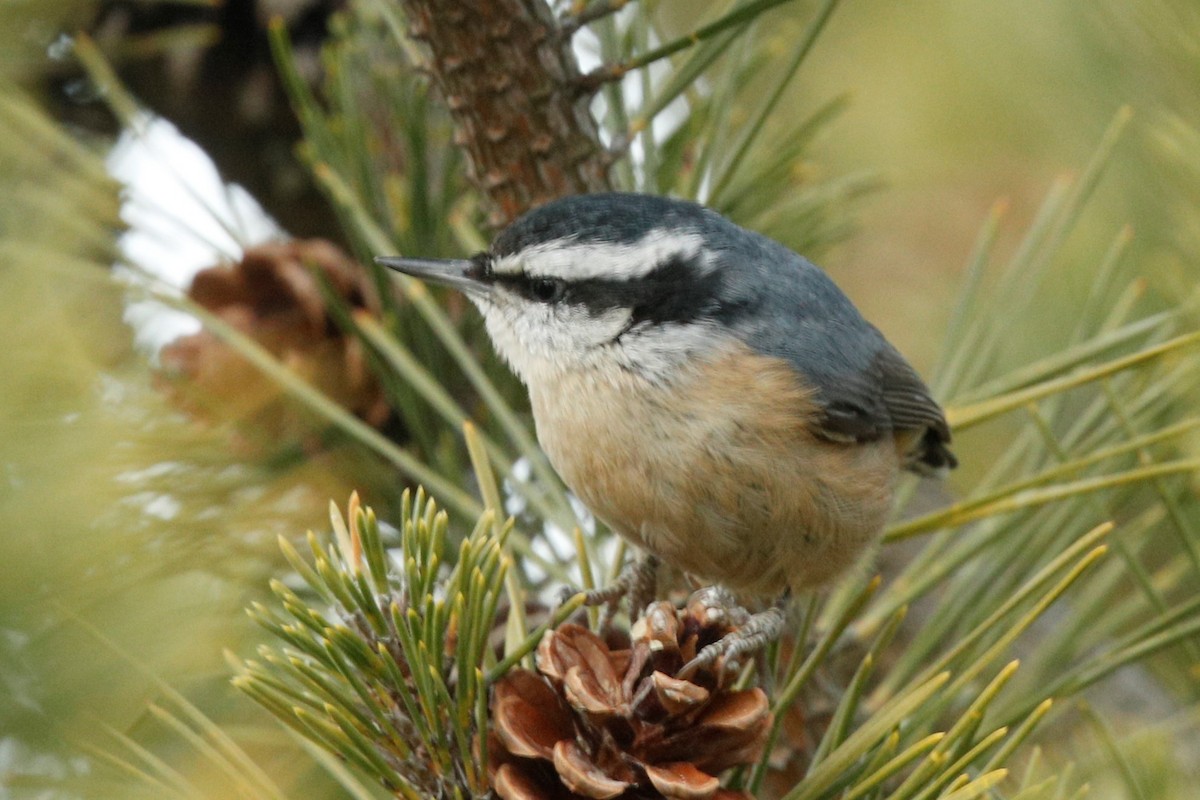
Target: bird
x,y
708,393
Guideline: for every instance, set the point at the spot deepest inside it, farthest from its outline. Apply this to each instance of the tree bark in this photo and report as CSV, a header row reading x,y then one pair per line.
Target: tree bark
x,y
510,80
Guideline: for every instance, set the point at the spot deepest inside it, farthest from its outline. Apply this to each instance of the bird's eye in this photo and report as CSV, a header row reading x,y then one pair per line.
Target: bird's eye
x,y
546,290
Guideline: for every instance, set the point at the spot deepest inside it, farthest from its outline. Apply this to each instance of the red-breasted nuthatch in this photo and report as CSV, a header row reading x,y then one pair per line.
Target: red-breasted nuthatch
x,y
705,391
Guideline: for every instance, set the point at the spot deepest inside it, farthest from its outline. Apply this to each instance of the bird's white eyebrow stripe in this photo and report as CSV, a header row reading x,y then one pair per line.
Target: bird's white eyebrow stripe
x,y
576,260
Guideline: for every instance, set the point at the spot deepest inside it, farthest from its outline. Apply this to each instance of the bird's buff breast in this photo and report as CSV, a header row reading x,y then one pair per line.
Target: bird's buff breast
x,y
717,472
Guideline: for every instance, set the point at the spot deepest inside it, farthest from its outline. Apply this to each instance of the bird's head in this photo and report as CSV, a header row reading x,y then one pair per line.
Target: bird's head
x,y
627,281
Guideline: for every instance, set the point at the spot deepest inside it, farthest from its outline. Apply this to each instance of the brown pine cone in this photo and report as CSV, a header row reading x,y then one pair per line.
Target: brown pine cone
x,y
272,295
595,722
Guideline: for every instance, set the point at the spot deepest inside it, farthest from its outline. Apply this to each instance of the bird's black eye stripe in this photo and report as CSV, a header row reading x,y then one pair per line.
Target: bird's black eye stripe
x,y
546,290
674,291
541,289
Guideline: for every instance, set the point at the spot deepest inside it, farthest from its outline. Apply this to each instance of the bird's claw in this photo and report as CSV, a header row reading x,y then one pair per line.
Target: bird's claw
x,y
636,581
566,593
758,631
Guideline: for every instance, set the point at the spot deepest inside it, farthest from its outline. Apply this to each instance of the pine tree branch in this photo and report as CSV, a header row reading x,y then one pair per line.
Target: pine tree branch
x,y
510,80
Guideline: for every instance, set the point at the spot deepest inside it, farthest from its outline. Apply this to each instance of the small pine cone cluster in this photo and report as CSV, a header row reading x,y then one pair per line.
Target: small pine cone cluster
x,y
273,296
598,722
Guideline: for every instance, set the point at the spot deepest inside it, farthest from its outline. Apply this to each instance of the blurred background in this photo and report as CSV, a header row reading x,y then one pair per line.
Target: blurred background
x,y
134,531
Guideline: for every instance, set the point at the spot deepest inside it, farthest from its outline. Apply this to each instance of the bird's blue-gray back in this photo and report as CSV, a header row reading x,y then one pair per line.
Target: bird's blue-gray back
x,y
864,386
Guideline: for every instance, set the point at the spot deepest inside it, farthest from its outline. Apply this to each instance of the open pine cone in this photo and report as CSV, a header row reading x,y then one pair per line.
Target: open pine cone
x,y
272,295
594,722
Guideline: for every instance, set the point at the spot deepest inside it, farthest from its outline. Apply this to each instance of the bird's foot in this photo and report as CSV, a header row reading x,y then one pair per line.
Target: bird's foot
x,y
752,636
637,581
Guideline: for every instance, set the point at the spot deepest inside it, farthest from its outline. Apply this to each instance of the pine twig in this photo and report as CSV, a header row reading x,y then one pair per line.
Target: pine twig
x,y
739,16
511,82
570,23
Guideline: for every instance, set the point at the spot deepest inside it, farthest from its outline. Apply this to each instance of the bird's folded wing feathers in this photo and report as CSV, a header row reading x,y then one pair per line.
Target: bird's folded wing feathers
x,y
887,396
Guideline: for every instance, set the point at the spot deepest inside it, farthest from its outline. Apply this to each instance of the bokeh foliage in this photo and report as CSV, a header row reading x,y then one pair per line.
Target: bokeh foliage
x,y
1064,421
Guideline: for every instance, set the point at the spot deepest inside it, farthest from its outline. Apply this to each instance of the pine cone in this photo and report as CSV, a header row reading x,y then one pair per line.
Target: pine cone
x,y
600,723
272,295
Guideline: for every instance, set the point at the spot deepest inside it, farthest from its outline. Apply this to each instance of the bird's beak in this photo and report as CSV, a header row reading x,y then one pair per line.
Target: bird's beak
x,y
457,273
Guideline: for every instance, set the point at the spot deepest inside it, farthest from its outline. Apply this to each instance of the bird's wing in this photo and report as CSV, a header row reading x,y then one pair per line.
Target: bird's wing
x,y
864,388
885,395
